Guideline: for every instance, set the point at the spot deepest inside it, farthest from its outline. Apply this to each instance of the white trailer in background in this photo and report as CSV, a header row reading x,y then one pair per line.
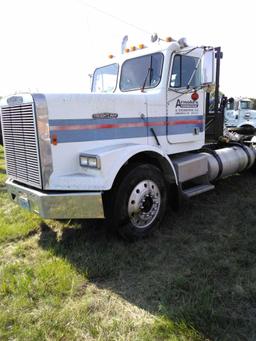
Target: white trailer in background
x,y
141,136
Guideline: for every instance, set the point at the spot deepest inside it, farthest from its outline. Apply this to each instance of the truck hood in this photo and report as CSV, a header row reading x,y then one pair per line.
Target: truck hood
x,y
92,105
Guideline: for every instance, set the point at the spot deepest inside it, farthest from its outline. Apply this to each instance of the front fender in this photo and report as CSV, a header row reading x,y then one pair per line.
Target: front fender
x,y
113,158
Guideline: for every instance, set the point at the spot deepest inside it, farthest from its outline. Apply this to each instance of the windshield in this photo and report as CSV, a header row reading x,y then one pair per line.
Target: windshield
x,y
104,79
245,105
141,72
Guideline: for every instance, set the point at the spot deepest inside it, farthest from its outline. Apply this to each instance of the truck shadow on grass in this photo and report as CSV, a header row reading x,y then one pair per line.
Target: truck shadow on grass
x,y
200,267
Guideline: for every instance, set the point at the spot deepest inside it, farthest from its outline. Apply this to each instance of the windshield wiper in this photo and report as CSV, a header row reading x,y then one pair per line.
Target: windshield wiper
x,y
149,72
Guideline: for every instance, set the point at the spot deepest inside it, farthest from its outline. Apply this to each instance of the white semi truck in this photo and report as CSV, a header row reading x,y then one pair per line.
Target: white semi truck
x,y
239,113
142,136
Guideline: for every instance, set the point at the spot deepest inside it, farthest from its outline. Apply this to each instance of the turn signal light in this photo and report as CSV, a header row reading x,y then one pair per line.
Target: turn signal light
x,y
54,139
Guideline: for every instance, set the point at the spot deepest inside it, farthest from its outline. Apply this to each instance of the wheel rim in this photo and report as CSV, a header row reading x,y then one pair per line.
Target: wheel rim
x,y
144,203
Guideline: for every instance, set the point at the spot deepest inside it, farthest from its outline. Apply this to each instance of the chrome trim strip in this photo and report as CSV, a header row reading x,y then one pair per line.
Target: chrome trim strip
x,y
44,141
65,205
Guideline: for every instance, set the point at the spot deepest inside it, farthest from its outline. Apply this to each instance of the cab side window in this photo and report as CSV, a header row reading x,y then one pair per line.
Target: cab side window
x,y
182,70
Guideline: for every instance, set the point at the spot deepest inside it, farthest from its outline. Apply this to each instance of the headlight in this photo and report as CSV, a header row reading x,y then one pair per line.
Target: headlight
x,y
91,161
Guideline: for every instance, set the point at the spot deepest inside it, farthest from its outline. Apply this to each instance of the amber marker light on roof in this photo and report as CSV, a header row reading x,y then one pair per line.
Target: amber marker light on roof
x,y
168,39
133,48
110,56
141,46
127,50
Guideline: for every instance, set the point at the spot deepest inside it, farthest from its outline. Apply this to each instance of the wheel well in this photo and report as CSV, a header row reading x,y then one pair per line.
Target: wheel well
x,y
149,158
138,159
246,126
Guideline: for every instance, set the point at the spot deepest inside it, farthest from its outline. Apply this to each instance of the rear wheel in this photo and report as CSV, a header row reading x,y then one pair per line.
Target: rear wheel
x,y
139,202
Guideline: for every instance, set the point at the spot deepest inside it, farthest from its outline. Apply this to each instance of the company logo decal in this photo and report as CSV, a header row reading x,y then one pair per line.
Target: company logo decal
x,y
186,107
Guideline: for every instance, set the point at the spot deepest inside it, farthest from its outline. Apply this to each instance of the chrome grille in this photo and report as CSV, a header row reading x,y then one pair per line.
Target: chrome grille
x,y
20,142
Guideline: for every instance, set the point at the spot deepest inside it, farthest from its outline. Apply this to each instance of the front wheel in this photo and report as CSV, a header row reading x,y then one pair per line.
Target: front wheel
x,y
139,202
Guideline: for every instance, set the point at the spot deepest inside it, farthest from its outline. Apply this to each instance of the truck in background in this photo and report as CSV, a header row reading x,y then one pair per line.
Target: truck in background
x,y
239,113
144,134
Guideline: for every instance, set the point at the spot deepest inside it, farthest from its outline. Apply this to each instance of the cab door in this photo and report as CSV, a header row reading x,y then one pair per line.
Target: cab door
x,y
185,98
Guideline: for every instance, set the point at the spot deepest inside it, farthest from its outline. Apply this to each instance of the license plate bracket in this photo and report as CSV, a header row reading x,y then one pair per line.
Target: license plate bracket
x,y
24,202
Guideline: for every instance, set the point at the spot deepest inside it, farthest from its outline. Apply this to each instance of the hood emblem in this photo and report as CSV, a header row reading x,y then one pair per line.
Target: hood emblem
x,y
15,100
105,115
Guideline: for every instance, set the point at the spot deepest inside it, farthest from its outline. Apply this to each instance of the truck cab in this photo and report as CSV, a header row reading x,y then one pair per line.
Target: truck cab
x,y
160,80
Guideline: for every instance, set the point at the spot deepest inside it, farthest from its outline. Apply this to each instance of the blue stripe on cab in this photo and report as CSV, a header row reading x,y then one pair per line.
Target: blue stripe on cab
x,y
99,134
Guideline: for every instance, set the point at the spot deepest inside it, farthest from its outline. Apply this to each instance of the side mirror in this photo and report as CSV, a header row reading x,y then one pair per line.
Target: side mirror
x,y
207,68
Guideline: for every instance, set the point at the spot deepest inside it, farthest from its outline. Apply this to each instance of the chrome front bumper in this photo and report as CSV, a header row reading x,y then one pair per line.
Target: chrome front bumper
x,y
61,205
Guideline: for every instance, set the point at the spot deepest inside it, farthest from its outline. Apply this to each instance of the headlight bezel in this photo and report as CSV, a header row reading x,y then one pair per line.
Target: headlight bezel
x,y
89,161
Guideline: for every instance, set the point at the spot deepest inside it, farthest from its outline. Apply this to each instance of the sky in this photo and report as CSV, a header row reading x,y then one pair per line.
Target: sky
x,y
53,45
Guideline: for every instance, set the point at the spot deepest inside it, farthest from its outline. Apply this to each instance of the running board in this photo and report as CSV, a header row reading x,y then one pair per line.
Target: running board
x,y
199,189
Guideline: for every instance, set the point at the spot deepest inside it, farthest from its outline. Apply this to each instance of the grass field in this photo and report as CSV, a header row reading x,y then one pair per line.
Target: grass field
x,y
195,279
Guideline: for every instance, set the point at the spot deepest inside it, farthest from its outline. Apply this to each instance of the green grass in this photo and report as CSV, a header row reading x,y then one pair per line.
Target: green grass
x,y
195,279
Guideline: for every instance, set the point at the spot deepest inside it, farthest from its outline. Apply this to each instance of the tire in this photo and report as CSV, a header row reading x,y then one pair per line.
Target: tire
x,y
139,202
